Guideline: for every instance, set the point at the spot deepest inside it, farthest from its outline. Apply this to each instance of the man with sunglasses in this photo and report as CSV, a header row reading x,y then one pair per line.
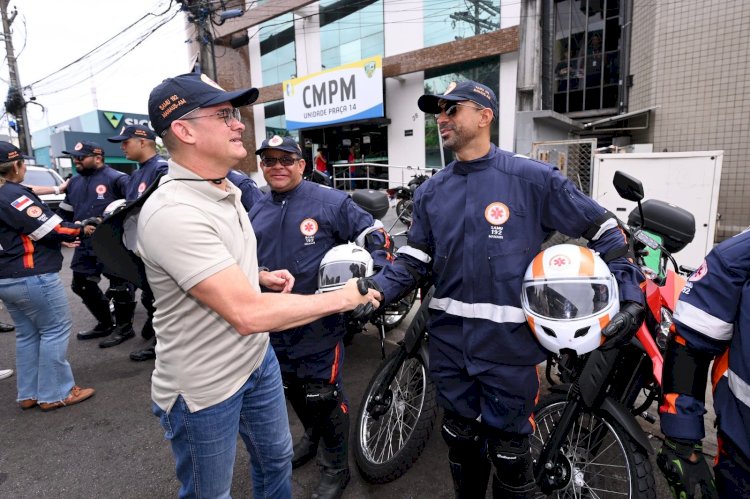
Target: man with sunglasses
x,y
215,374
296,226
477,225
86,197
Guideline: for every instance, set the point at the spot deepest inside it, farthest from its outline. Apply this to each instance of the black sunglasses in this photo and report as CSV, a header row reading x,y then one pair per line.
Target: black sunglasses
x,y
270,162
451,109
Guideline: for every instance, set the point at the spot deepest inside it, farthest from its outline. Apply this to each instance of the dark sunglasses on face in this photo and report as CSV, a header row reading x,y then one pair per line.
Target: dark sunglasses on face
x,y
452,108
228,115
270,162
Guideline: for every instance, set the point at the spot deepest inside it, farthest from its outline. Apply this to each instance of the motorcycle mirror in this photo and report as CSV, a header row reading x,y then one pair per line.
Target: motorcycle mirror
x,y
628,187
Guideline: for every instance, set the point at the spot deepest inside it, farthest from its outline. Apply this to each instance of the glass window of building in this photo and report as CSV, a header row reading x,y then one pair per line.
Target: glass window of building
x,y
276,121
277,55
350,31
485,71
451,20
586,59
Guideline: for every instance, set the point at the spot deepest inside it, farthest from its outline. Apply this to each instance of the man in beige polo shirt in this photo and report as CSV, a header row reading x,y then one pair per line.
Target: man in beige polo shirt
x,y
215,374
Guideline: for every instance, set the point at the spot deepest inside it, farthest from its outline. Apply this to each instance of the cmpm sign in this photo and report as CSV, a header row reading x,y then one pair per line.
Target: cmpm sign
x,y
346,93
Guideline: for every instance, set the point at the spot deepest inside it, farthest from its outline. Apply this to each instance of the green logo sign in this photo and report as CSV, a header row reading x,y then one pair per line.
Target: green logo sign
x,y
113,118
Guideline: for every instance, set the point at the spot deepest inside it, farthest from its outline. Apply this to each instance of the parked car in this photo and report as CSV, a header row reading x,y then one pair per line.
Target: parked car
x,y
39,175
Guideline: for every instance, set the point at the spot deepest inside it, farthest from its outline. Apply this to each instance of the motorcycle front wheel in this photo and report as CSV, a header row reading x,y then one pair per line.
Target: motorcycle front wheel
x,y
391,435
404,210
600,458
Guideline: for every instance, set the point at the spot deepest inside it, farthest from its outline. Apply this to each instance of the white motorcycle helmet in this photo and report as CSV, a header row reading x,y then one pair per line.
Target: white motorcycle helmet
x,y
568,296
342,263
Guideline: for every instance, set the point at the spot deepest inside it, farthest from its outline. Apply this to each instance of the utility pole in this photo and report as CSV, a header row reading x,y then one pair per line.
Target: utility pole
x,y
15,103
199,13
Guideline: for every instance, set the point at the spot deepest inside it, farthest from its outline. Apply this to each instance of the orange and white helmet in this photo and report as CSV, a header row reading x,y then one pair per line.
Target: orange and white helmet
x,y
568,296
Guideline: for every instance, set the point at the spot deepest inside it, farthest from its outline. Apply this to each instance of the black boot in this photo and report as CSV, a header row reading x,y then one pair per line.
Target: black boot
x,y
6,328
334,460
470,476
147,353
99,308
147,332
305,449
124,328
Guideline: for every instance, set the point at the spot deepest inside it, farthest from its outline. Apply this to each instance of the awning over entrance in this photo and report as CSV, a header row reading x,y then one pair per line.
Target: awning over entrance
x,y
599,124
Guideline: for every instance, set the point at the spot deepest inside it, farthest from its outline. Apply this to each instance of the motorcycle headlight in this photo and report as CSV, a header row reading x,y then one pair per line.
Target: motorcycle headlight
x,y
665,325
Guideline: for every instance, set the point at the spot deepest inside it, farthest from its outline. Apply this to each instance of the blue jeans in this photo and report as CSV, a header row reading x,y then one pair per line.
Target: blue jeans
x,y
39,308
204,442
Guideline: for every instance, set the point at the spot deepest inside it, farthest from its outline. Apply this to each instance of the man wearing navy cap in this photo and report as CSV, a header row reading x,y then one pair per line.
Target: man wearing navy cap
x,y
87,195
477,225
214,374
296,226
138,143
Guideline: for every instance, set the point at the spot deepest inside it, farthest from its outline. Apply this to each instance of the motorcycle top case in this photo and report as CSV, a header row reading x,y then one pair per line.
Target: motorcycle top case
x,y
373,202
675,224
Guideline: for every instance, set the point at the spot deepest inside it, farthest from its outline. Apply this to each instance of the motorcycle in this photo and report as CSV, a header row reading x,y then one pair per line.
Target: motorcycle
x,y
405,197
587,441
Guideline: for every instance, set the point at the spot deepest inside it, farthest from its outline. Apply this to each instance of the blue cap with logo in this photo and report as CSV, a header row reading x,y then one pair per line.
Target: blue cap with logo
x,y
85,148
460,91
9,152
175,97
286,144
133,131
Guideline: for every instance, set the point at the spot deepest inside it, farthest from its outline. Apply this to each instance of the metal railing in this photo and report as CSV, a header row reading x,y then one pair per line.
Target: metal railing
x,y
341,175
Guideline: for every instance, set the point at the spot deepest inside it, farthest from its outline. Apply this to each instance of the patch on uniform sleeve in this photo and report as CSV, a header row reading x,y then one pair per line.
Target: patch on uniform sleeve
x,y
699,273
22,203
34,211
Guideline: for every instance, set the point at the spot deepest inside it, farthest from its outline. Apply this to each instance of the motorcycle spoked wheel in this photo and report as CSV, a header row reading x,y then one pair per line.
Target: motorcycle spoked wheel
x,y
387,447
395,313
604,461
404,210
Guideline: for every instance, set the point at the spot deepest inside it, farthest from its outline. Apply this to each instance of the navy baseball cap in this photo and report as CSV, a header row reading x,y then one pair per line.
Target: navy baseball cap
x,y
85,148
460,91
9,152
137,131
286,144
175,97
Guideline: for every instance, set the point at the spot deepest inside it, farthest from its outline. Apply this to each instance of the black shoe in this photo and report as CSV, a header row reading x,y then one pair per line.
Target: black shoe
x,y
147,332
145,354
120,334
99,331
6,328
332,484
304,450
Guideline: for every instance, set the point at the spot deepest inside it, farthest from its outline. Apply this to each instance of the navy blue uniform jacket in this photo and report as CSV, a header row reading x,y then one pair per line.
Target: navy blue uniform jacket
x,y
477,225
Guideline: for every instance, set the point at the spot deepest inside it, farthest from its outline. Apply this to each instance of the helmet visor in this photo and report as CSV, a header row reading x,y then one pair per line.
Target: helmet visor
x,y
568,299
335,274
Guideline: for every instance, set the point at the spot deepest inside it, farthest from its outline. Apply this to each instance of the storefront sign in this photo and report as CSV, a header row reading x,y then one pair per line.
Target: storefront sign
x,y
346,93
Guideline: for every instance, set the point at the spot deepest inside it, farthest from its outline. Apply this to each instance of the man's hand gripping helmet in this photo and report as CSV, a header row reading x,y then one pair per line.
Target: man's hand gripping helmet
x,y
568,296
342,263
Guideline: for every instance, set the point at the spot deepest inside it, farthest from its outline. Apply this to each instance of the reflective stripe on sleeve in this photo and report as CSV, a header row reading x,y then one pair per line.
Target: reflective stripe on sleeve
x,y
415,253
703,322
608,224
487,311
45,228
360,240
739,387
65,206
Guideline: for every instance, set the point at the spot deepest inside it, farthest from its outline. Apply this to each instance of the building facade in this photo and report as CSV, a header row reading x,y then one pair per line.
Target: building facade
x,y
671,75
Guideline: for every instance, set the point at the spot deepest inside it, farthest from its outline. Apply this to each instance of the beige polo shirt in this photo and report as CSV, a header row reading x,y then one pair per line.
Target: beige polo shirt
x,y
187,232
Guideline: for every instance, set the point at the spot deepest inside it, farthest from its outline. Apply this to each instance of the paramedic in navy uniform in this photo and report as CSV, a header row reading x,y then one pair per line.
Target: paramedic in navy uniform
x,y
138,142
30,286
712,320
311,356
88,193
477,225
